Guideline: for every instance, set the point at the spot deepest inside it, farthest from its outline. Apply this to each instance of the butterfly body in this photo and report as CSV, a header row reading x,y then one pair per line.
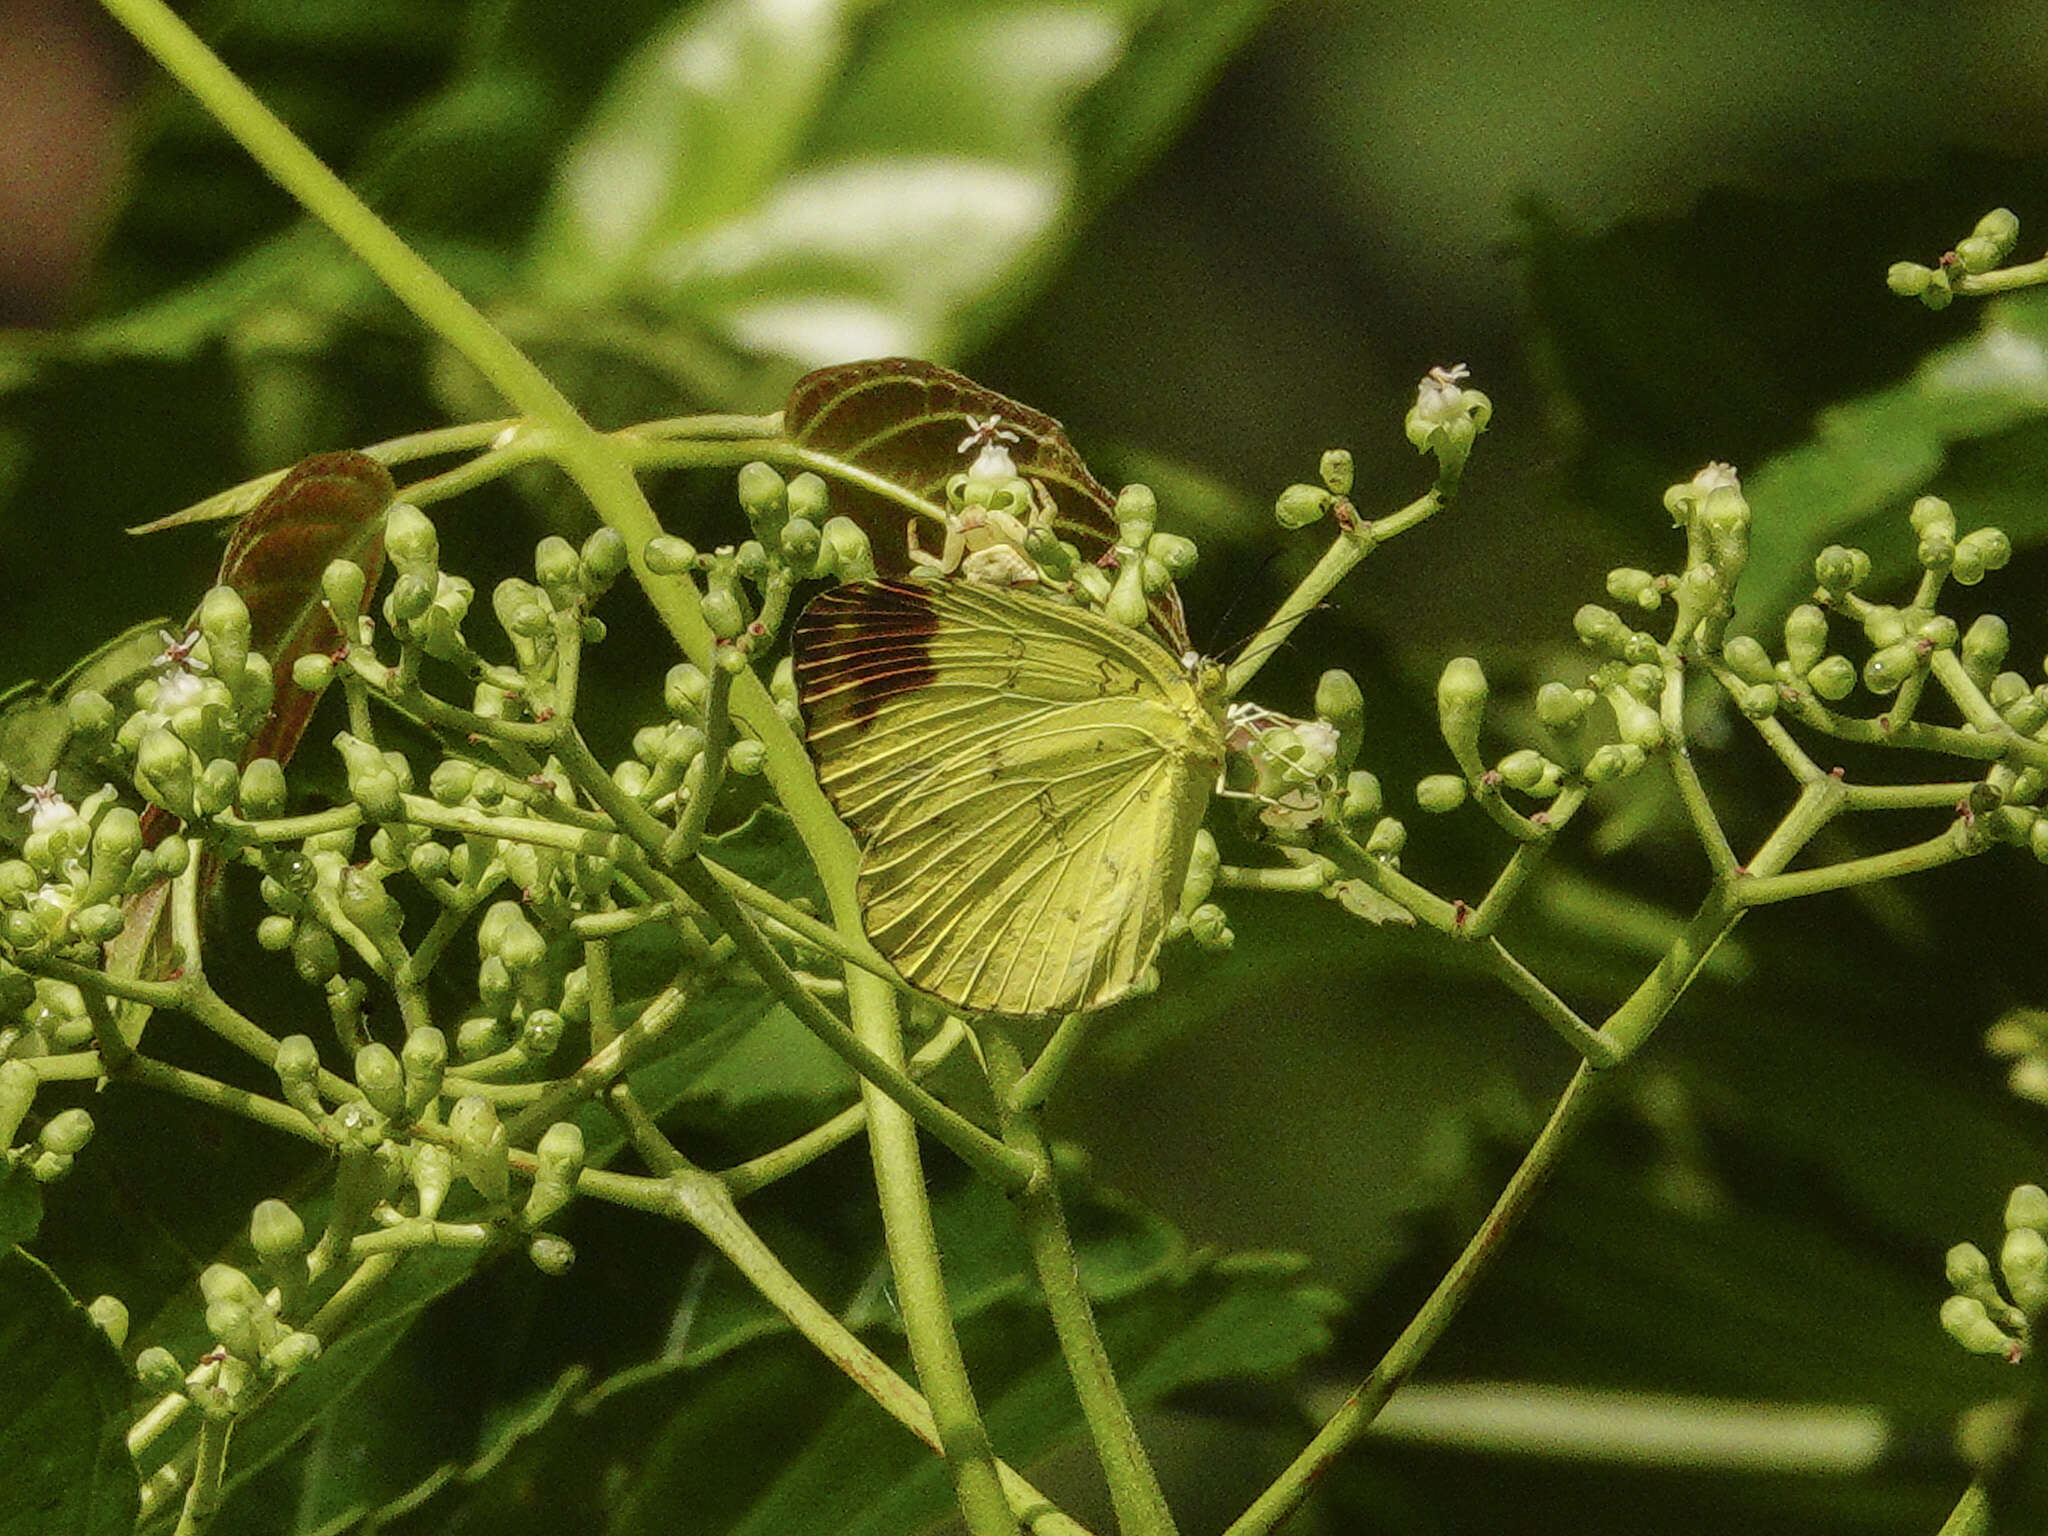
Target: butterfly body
x,y
1025,779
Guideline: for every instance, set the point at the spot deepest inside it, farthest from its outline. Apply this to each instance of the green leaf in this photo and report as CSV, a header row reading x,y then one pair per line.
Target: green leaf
x,y
851,180
1969,424
63,1433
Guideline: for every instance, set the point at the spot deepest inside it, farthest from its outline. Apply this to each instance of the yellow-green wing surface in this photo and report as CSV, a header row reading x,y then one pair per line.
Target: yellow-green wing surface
x,y
1025,779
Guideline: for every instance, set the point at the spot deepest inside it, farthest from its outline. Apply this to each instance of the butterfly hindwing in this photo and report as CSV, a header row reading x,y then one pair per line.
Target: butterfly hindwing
x,y
1025,779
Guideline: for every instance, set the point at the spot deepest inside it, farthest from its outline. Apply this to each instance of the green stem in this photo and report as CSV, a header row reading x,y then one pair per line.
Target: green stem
x,y
1134,1491
1351,545
202,1496
920,1284
1288,1491
1943,848
1037,1084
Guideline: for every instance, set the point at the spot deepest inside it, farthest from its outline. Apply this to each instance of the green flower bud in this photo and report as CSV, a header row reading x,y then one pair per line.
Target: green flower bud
x,y
1968,1271
1336,470
559,1160
1341,702
1975,254
1363,800
110,1316
603,557
800,542
2001,226
1758,701
366,903
1833,678
2028,713
261,793
2027,1206
342,584
1748,659
2023,1260
408,600
1560,708
216,788
667,555
559,570
553,1256
506,934
1838,570
410,540
1387,838
1137,515
100,923
1209,927
1887,669
750,561
521,609
747,757
480,1148
1461,694
292,1353
478,1038
1935,632
1908,279
846,552
1637,723
724,610
540,1034
276,1232
164,772
66,1132
1626,585
312,672
1616,760
315,955
297,1074
157,1371
381,1078
1964,1319
1440,792
224,620
451,781
1300,505
1176,553
432,1170
1527,771
172,854
1601,629
1984,648
1979,553
765,497
424,1058
429,860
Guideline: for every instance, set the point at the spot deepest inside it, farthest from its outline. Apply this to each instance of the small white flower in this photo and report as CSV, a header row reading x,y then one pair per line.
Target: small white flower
x,y
45,806
986,434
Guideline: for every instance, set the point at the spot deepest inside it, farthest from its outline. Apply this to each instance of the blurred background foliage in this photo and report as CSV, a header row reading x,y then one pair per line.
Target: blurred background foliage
x,y
1213,238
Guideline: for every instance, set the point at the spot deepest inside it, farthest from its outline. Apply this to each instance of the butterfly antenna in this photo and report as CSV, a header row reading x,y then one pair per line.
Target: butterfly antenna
x,y
1244,589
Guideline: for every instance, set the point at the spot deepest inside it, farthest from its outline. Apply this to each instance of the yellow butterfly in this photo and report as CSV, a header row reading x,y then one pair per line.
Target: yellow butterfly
x,y
1026,779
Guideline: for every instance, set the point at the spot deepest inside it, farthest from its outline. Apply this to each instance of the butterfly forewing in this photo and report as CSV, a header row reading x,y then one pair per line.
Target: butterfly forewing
x,y
1025,778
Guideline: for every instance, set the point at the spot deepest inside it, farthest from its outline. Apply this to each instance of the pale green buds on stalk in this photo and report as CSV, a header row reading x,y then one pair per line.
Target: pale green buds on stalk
x,y
382,1079
1336,470
298,1073
1978,554
1440,793
558,1161
312,672
342,585
157,1371
1203,863
276,1233
1363,800
1984,648
1806,638
62,1138
764,496
425,1060
1461,694
1341,702
551,1255
376,780
1838,570
1911,280
845,552
1301,505
1209,927
109,1314
1964,1319
1981,1318
559,571
666,555
224,621
481,1151
1531,773
411,542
